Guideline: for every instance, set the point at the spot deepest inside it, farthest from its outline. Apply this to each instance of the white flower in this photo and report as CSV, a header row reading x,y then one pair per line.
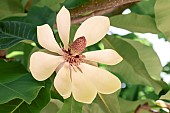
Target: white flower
x,y
74,75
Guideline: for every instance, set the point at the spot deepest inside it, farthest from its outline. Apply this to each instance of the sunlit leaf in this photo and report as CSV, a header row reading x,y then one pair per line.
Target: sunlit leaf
x,y
133,68
166,96
149,57
135,23
162,17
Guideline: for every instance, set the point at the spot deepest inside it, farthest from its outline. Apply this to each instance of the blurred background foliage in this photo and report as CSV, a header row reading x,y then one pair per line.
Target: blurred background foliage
x,y
139,72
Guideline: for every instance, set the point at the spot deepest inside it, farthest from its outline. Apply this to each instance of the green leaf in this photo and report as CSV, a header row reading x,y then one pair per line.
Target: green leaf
x,y
106,103
20,53
17,83
24,2
12,32
19,106
135,23
134,66
41,15
8,7
103,104
149,57
70,4
10,71
145,7
92,108
53,106
71,106
55,5
24,87
14,17
162,17
166,96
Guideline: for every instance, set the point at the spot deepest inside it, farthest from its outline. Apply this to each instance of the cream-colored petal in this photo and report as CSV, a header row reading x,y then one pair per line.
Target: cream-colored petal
x,y
93,29
82,89
46,39
63,25
42,65
91,63
62,81
107,56
67,95
104,81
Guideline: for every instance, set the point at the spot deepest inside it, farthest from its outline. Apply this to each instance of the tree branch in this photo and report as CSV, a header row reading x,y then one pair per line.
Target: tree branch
x,y
99,7
145,106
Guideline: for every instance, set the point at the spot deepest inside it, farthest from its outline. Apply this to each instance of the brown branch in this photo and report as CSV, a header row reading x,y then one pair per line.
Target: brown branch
x,y
28,5
145,106
2,54
99,7
96,8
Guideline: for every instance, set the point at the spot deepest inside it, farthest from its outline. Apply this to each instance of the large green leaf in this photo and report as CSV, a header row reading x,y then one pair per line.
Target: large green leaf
x,y
133,69
145,7
36,16
109,103
71,106
53,106
12,32
11,71
55,5
41,15
8,7
149,57
74,3
19,106
166,96
92,108
17,83
162,17
135,23
104,104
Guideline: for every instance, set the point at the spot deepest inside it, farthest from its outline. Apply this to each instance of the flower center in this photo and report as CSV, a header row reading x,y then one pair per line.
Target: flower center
x,y
73,56
73,60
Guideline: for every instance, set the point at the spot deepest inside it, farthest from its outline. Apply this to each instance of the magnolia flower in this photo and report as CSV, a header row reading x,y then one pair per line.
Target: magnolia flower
x,y
74,75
